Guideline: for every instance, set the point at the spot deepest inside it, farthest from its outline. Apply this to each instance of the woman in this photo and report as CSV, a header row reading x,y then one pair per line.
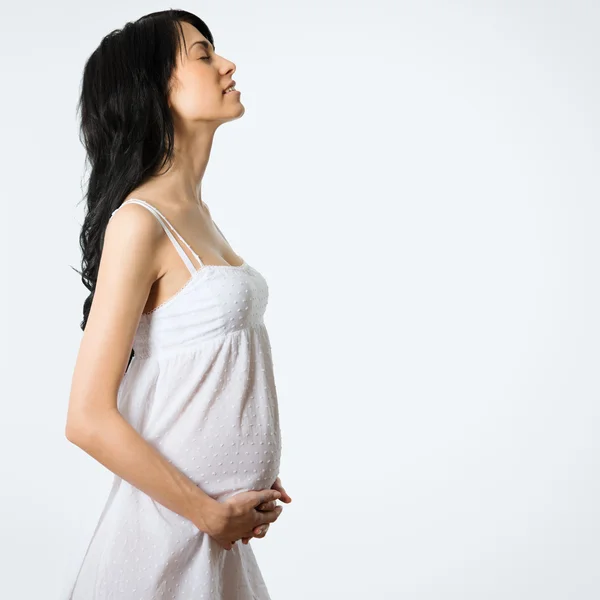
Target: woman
x,y
173,388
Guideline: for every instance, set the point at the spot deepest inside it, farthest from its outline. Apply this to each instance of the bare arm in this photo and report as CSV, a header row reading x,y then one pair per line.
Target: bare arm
x,y
128,268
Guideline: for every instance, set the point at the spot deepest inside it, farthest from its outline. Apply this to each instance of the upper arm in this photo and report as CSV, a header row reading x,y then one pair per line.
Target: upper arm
x,y
128,268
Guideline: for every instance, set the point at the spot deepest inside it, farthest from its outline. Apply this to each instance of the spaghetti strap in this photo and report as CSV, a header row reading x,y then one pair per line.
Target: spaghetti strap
x,y
164,222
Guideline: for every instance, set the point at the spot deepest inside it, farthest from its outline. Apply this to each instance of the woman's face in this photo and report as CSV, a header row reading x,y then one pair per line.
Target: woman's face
x,y
200,80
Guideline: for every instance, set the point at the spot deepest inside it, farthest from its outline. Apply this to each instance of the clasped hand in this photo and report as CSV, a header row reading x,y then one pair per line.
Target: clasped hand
x,y
245,515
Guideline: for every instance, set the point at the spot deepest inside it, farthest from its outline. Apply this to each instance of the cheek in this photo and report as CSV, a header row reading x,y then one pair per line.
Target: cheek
x,y
195,97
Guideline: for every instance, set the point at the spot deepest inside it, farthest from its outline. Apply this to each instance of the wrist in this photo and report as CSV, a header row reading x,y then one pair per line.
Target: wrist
x,y
205,511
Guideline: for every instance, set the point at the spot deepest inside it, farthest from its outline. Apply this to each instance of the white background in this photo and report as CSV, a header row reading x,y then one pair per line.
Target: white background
x,y
418,182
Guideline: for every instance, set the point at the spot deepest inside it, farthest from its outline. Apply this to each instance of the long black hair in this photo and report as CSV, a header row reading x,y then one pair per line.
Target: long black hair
x,y
126,123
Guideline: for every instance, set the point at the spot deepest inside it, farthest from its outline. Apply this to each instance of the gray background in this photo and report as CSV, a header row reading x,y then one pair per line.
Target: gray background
x,y
418,182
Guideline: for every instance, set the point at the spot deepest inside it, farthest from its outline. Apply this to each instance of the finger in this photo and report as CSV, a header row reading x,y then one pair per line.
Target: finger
x,y
285,497
268,516
269,495
265,497
261,531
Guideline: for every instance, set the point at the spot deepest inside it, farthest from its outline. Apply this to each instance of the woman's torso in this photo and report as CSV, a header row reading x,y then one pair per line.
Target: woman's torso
x,y
201,385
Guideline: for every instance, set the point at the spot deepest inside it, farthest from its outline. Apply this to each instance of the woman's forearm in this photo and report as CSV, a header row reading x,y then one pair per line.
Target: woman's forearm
x,y
112,441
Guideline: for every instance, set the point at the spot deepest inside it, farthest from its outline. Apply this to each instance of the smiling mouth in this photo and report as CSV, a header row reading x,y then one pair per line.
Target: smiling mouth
x,y
230,89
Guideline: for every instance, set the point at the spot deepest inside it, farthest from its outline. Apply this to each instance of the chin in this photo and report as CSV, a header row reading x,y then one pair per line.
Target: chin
x,y
239,113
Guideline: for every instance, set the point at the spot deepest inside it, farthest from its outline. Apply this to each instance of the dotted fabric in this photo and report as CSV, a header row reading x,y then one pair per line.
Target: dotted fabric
x,y
201,390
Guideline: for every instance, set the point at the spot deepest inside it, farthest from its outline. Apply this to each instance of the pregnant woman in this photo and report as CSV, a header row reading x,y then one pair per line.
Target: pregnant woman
x,y
173,388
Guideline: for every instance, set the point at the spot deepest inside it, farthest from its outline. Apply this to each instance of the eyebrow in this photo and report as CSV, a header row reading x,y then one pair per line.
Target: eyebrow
x,y
207,45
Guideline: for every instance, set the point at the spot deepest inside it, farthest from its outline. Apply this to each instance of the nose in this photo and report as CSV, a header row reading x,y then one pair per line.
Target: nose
x,y
230,67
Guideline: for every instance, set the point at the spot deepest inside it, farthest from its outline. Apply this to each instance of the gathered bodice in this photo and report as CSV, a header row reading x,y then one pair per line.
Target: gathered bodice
x,y
215,301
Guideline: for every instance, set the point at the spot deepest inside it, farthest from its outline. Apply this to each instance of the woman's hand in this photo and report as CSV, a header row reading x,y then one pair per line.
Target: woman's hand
x,y
238,516
261,530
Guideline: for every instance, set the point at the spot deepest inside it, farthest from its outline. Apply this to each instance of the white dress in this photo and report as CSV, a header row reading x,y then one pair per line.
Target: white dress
x,y
201,390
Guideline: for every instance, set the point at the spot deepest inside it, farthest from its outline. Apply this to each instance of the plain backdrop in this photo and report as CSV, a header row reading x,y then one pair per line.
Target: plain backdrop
x,y
418,182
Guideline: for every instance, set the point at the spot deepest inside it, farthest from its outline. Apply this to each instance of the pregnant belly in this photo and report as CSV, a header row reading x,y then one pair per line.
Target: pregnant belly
x,y
228,458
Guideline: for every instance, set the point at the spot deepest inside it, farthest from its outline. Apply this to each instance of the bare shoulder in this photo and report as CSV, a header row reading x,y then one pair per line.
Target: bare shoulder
x,y
129,264
132,216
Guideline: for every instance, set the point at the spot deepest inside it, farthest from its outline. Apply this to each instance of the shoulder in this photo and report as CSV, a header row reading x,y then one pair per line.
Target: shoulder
x,y
133,235
135,220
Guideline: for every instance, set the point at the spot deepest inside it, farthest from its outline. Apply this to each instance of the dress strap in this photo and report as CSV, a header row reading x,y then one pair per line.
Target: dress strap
x,y
165,222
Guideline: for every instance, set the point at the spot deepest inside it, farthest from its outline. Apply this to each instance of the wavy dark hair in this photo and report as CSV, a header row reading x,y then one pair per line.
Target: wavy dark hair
x,y
126,123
